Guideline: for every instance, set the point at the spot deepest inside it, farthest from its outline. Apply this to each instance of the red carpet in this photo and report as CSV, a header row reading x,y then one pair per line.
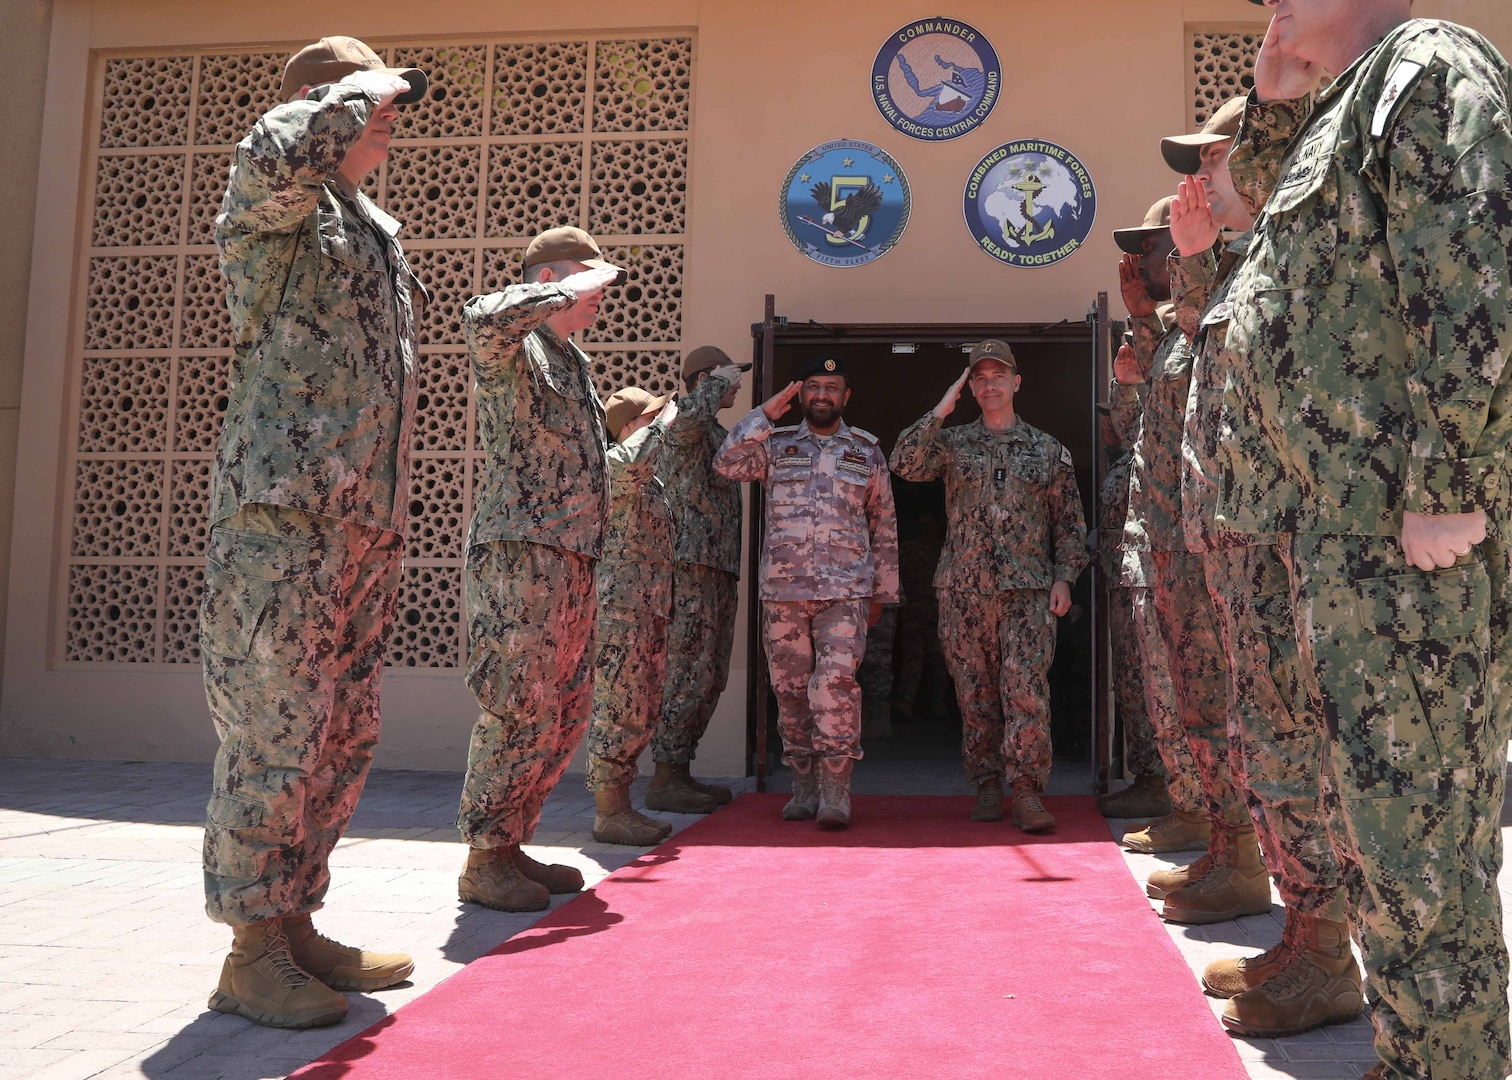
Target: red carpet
x,y
917,944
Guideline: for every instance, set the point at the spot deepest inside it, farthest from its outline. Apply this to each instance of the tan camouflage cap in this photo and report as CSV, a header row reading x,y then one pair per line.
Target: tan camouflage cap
x,y
569,244
1184,152
625,405
331,58
1158,218
992,349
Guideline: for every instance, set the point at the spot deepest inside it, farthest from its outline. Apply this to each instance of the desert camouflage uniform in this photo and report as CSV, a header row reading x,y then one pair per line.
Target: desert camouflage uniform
x,y
1014,528
1370,331
1275,739
1155,547
707,515
537,531
634,607
308,502
831,551
1131,571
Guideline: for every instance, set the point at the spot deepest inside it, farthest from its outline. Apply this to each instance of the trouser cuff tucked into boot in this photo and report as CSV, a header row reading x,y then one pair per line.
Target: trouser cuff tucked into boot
x,y
615,821
1235,884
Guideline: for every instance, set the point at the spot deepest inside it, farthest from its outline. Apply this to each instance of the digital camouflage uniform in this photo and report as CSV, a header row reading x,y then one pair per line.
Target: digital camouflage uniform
x,y
308,502
537,531
1140,754
1014,527
1369,336
1275,740
634,607
831,551
1131,570
1155,546
876,674
706,514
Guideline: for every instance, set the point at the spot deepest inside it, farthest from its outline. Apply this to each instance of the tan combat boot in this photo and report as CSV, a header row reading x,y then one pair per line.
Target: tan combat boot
x,y
1146,797
989,801
615,821
671,789
805,801
1235,884
1377,1073
1320,984
557,877
339,966
490,879
1029,813
261,981
834,792
1179,830
718,792
1234,975
1162,883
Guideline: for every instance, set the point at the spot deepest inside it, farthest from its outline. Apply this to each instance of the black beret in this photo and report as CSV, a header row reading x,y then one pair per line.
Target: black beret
x,y
823,365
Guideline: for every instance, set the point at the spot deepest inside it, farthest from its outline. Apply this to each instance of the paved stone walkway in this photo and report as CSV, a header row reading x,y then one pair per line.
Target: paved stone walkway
x,y
106,958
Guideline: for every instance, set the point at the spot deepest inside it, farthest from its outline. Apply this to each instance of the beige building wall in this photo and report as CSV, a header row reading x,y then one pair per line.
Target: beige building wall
x,y
1105,79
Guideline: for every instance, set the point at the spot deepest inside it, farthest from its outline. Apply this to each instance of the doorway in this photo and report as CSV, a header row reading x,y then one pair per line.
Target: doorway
x,y
897,374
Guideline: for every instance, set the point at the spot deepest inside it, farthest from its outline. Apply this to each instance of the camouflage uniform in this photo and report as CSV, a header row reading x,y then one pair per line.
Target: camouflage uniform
x,y
308,504
1155,548
1132,573
1140,754
634,607
1275,740
1369,332
537,531
706,513
1014,528
831,550
876,675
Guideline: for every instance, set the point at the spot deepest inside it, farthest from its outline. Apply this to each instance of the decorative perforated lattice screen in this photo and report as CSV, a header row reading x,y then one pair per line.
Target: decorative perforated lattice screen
x,y
1223,66
513,137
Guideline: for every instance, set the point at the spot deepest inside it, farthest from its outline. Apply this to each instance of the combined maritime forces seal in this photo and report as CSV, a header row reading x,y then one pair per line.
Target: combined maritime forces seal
x,y
936,79
1030,203
845,203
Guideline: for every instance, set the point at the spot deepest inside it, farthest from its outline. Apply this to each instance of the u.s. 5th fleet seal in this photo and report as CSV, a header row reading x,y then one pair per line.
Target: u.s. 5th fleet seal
x,y
845,203
1030,203
936,79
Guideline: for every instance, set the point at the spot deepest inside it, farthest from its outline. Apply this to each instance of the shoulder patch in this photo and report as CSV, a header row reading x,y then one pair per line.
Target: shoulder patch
x,y
1398,87
864,435
1065,456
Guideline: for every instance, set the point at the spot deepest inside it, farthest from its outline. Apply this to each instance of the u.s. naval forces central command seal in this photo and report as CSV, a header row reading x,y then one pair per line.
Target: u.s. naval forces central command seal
x,y
845,203
936,79
1030,203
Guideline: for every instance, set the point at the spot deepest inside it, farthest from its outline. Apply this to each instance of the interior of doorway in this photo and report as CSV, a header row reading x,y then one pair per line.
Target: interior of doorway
x,y
897,373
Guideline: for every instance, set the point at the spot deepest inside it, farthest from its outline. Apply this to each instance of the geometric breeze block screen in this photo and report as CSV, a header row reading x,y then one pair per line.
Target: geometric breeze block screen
x,y
513,137
1223,65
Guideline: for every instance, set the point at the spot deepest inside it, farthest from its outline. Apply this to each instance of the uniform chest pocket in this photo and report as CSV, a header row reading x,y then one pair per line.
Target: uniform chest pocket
x,y
558,401
1298,242
971,474
790,480
349,248
1032,469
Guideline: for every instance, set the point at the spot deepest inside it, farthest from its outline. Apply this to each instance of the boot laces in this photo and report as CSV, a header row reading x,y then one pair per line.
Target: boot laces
x,y
1030,801
281,962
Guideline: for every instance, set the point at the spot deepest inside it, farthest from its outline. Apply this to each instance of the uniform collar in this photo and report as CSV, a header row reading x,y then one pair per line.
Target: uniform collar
x,y
841,432
369,210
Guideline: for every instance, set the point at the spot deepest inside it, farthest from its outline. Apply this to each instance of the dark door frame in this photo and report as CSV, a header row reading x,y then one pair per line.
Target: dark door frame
x,y
1095,330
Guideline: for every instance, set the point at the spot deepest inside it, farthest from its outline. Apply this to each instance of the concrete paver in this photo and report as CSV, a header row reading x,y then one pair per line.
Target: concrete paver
x,y
106,957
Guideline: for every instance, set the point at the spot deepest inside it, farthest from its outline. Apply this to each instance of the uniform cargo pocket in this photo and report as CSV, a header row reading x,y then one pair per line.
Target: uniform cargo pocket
x,y
1439,604
242,579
